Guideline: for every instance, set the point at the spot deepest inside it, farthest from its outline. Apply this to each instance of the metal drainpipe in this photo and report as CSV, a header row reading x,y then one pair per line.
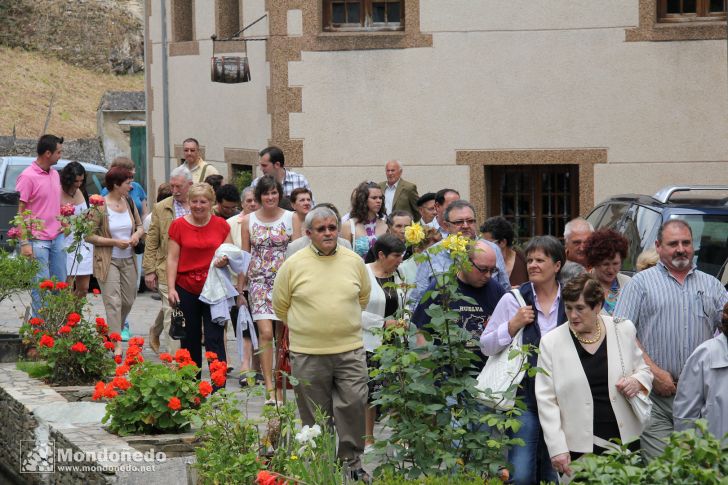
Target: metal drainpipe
x,y
165,92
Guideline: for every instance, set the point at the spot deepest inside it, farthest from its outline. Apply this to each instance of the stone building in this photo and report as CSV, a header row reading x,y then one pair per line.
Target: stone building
x,y
535,109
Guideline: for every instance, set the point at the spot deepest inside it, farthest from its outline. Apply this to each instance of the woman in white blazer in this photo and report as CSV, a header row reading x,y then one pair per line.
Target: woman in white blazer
x,y
582,397
383,304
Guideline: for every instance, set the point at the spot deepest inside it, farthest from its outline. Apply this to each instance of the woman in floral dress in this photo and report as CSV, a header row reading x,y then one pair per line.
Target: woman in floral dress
x,y
265,235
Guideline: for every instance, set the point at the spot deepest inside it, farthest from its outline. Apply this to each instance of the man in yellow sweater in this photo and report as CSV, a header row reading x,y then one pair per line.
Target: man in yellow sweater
x,y
320,292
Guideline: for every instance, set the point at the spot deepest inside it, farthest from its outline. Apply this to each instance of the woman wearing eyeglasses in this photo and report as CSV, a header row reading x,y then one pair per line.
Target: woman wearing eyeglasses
x,y
366,222
543,312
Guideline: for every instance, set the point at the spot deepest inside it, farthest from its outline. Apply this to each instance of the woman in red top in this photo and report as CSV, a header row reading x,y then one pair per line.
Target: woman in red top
x,y
193,240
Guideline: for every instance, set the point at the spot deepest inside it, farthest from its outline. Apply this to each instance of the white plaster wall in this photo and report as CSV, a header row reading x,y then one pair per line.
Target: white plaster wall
x,y
218,115
648,178
647,101
336,185
469,15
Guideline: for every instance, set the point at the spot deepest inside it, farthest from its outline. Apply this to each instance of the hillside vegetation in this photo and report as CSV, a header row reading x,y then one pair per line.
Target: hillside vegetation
x,y
28,80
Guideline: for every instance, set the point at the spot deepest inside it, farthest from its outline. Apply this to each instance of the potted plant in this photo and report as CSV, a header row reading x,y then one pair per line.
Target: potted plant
x,y
150,398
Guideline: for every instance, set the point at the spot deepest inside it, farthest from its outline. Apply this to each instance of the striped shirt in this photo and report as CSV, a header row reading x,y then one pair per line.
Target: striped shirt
x,y
292,181
672,319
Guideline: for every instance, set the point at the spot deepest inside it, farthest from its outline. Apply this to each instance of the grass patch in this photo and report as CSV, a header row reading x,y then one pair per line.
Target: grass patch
x,y
30,78
37,369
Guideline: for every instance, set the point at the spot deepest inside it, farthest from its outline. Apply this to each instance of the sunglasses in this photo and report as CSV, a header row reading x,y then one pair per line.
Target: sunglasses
x,y
322,229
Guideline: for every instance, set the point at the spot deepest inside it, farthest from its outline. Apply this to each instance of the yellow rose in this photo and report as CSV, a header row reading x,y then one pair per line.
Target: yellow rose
x,y
456,243
414,234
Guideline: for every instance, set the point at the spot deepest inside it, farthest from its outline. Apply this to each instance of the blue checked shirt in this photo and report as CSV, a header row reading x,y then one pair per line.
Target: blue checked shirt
x,y
672,320
291,182
441,262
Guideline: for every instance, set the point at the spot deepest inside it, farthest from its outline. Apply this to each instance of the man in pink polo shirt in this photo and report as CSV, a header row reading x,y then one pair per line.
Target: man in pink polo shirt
x,y
40,192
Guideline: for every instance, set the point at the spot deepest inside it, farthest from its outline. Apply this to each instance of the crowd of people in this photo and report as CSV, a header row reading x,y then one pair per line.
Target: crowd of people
x,y
305,279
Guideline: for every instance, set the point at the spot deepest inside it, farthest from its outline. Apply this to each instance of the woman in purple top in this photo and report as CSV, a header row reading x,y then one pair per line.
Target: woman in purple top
x,y
544,311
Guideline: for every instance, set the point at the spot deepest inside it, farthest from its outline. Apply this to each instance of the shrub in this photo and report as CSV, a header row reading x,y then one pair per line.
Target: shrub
x,y
149,398
76,351
692,456
17,274
428,397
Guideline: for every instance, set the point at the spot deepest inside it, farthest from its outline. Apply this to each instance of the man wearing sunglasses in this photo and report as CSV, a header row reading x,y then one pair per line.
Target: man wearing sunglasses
x,y
320,292
477,283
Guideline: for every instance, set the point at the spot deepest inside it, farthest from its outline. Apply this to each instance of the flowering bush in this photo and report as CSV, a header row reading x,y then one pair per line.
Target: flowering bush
x,y
79,352
79,226
76,350
57,302
150,398
428,397
24,227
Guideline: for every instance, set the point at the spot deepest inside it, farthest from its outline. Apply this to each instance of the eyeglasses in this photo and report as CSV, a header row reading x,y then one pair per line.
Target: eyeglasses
x,y
492,271
323,229
463,222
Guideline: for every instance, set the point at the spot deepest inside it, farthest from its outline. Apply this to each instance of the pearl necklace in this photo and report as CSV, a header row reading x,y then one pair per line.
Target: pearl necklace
x,y
592,340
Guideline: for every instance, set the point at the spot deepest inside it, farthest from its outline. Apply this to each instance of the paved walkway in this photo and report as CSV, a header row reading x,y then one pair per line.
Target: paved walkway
x,y
142,315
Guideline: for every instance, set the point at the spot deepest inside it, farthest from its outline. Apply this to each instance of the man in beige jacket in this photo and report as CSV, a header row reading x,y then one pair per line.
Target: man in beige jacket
x,y
154,263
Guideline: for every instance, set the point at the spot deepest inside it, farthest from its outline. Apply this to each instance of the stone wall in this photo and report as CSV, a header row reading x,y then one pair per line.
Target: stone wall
x,y
33,411
16,423
104,35
81,150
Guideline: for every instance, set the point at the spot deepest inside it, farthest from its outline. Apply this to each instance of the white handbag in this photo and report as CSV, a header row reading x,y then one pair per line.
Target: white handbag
x,y
641,403
500,373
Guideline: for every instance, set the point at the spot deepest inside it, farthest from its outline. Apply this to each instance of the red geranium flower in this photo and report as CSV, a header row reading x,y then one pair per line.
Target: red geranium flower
x,y
182,355
210,355
64,329
121,383
205,388
36,331
73,317
174,404
197,401
219,378
61,285
46,285
96,291
136,341
36,321
109,391
165,357
115,337
79,347
121,370
117,359
134,359
47,341
98,391
267,478
109,345
218,365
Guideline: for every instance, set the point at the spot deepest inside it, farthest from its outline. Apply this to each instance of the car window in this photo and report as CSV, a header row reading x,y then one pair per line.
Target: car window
x,y
94,182
613,213
11,175
710,239
640,228
596,215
